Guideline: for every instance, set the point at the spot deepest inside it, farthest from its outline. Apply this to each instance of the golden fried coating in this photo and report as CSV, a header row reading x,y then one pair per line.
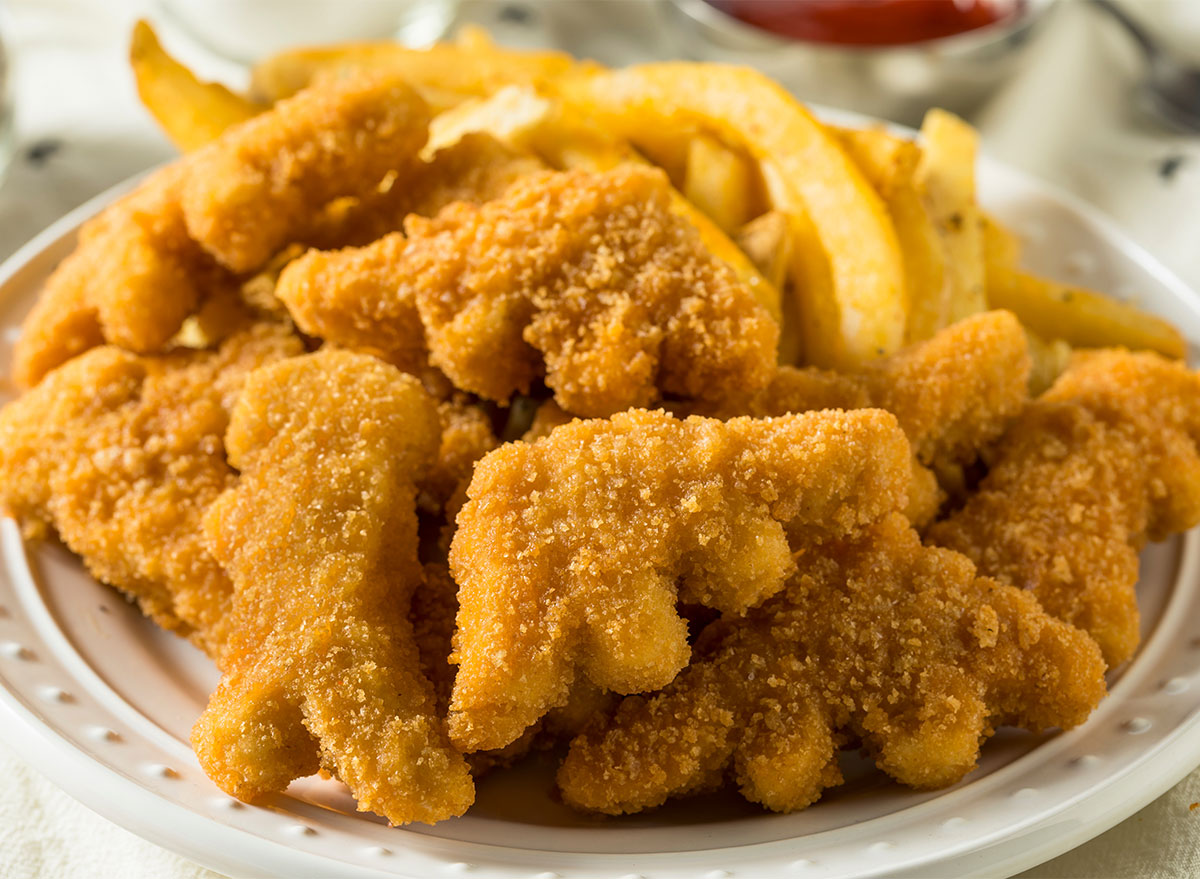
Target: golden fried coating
x,y
952,393
260,185
477,168
587,277
879,639
571,551
320,539
122,455
1099,463
546,417
358,298
133,278
434,606
140,268
467,436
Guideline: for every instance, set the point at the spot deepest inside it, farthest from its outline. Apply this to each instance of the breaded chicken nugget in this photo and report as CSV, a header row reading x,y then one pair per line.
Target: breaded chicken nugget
x,y
879,639
952,393
141,266
1104,460
571,551
132,280
467,436
320,539
477,168
587,277
122,455
259,185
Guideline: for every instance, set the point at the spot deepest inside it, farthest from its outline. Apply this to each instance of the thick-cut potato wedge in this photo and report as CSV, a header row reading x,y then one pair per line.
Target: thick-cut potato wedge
x,y
1080,317
890,163
563,139
719,182
473,70
191,112
849,275
946,177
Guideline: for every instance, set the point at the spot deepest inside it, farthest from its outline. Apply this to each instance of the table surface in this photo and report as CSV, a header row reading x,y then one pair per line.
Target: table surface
x,y
1070,116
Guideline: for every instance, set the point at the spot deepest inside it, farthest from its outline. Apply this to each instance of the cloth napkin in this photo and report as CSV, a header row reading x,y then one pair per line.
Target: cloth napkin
x,y
1070,117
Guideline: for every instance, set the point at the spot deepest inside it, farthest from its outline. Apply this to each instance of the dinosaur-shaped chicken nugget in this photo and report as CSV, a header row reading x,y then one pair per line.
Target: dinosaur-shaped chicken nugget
x,y
320,539
879,638
572,551
1107,458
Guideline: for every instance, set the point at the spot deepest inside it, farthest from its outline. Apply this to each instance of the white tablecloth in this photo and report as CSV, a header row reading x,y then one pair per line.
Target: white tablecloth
x,y
1068,117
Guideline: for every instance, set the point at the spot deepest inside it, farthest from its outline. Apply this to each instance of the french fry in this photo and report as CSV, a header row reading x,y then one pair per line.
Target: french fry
x,y
848,273
719,182
767,241
191,112
1048,360
946,178
564,139
890,163
470,70
1079,317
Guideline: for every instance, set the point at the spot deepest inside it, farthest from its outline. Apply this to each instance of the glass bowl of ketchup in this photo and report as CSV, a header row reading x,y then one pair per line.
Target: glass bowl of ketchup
x,y
888,58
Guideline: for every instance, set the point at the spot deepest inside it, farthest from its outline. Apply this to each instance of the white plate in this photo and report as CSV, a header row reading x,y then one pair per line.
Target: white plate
x,y
101,701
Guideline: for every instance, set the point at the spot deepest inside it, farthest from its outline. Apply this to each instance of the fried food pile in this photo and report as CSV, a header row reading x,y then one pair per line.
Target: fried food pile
x,y
457,417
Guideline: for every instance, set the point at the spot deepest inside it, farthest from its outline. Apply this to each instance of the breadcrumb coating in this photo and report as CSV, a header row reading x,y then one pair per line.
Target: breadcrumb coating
x,y
141,266
320,539
587,277
878,639
1104,460
121,455
953,393
260,184
131,281
467,436
571,551
359,296
476,168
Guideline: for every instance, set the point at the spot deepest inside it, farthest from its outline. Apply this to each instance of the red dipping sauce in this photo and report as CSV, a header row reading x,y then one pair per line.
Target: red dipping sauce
x,y
869,22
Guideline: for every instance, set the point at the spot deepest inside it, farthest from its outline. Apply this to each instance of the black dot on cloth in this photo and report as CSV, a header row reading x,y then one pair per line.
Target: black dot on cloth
x,y
40,151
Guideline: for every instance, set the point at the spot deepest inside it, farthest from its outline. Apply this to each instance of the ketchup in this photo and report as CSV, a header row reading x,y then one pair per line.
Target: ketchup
x,y
868,22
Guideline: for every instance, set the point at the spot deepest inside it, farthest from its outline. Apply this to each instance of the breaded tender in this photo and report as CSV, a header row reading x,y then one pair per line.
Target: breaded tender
x,y
320,539
467,436
147,262
476,168
359,298
121,455
260,185
586,277
878,639
1104,460
571,551
952,394
131,281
